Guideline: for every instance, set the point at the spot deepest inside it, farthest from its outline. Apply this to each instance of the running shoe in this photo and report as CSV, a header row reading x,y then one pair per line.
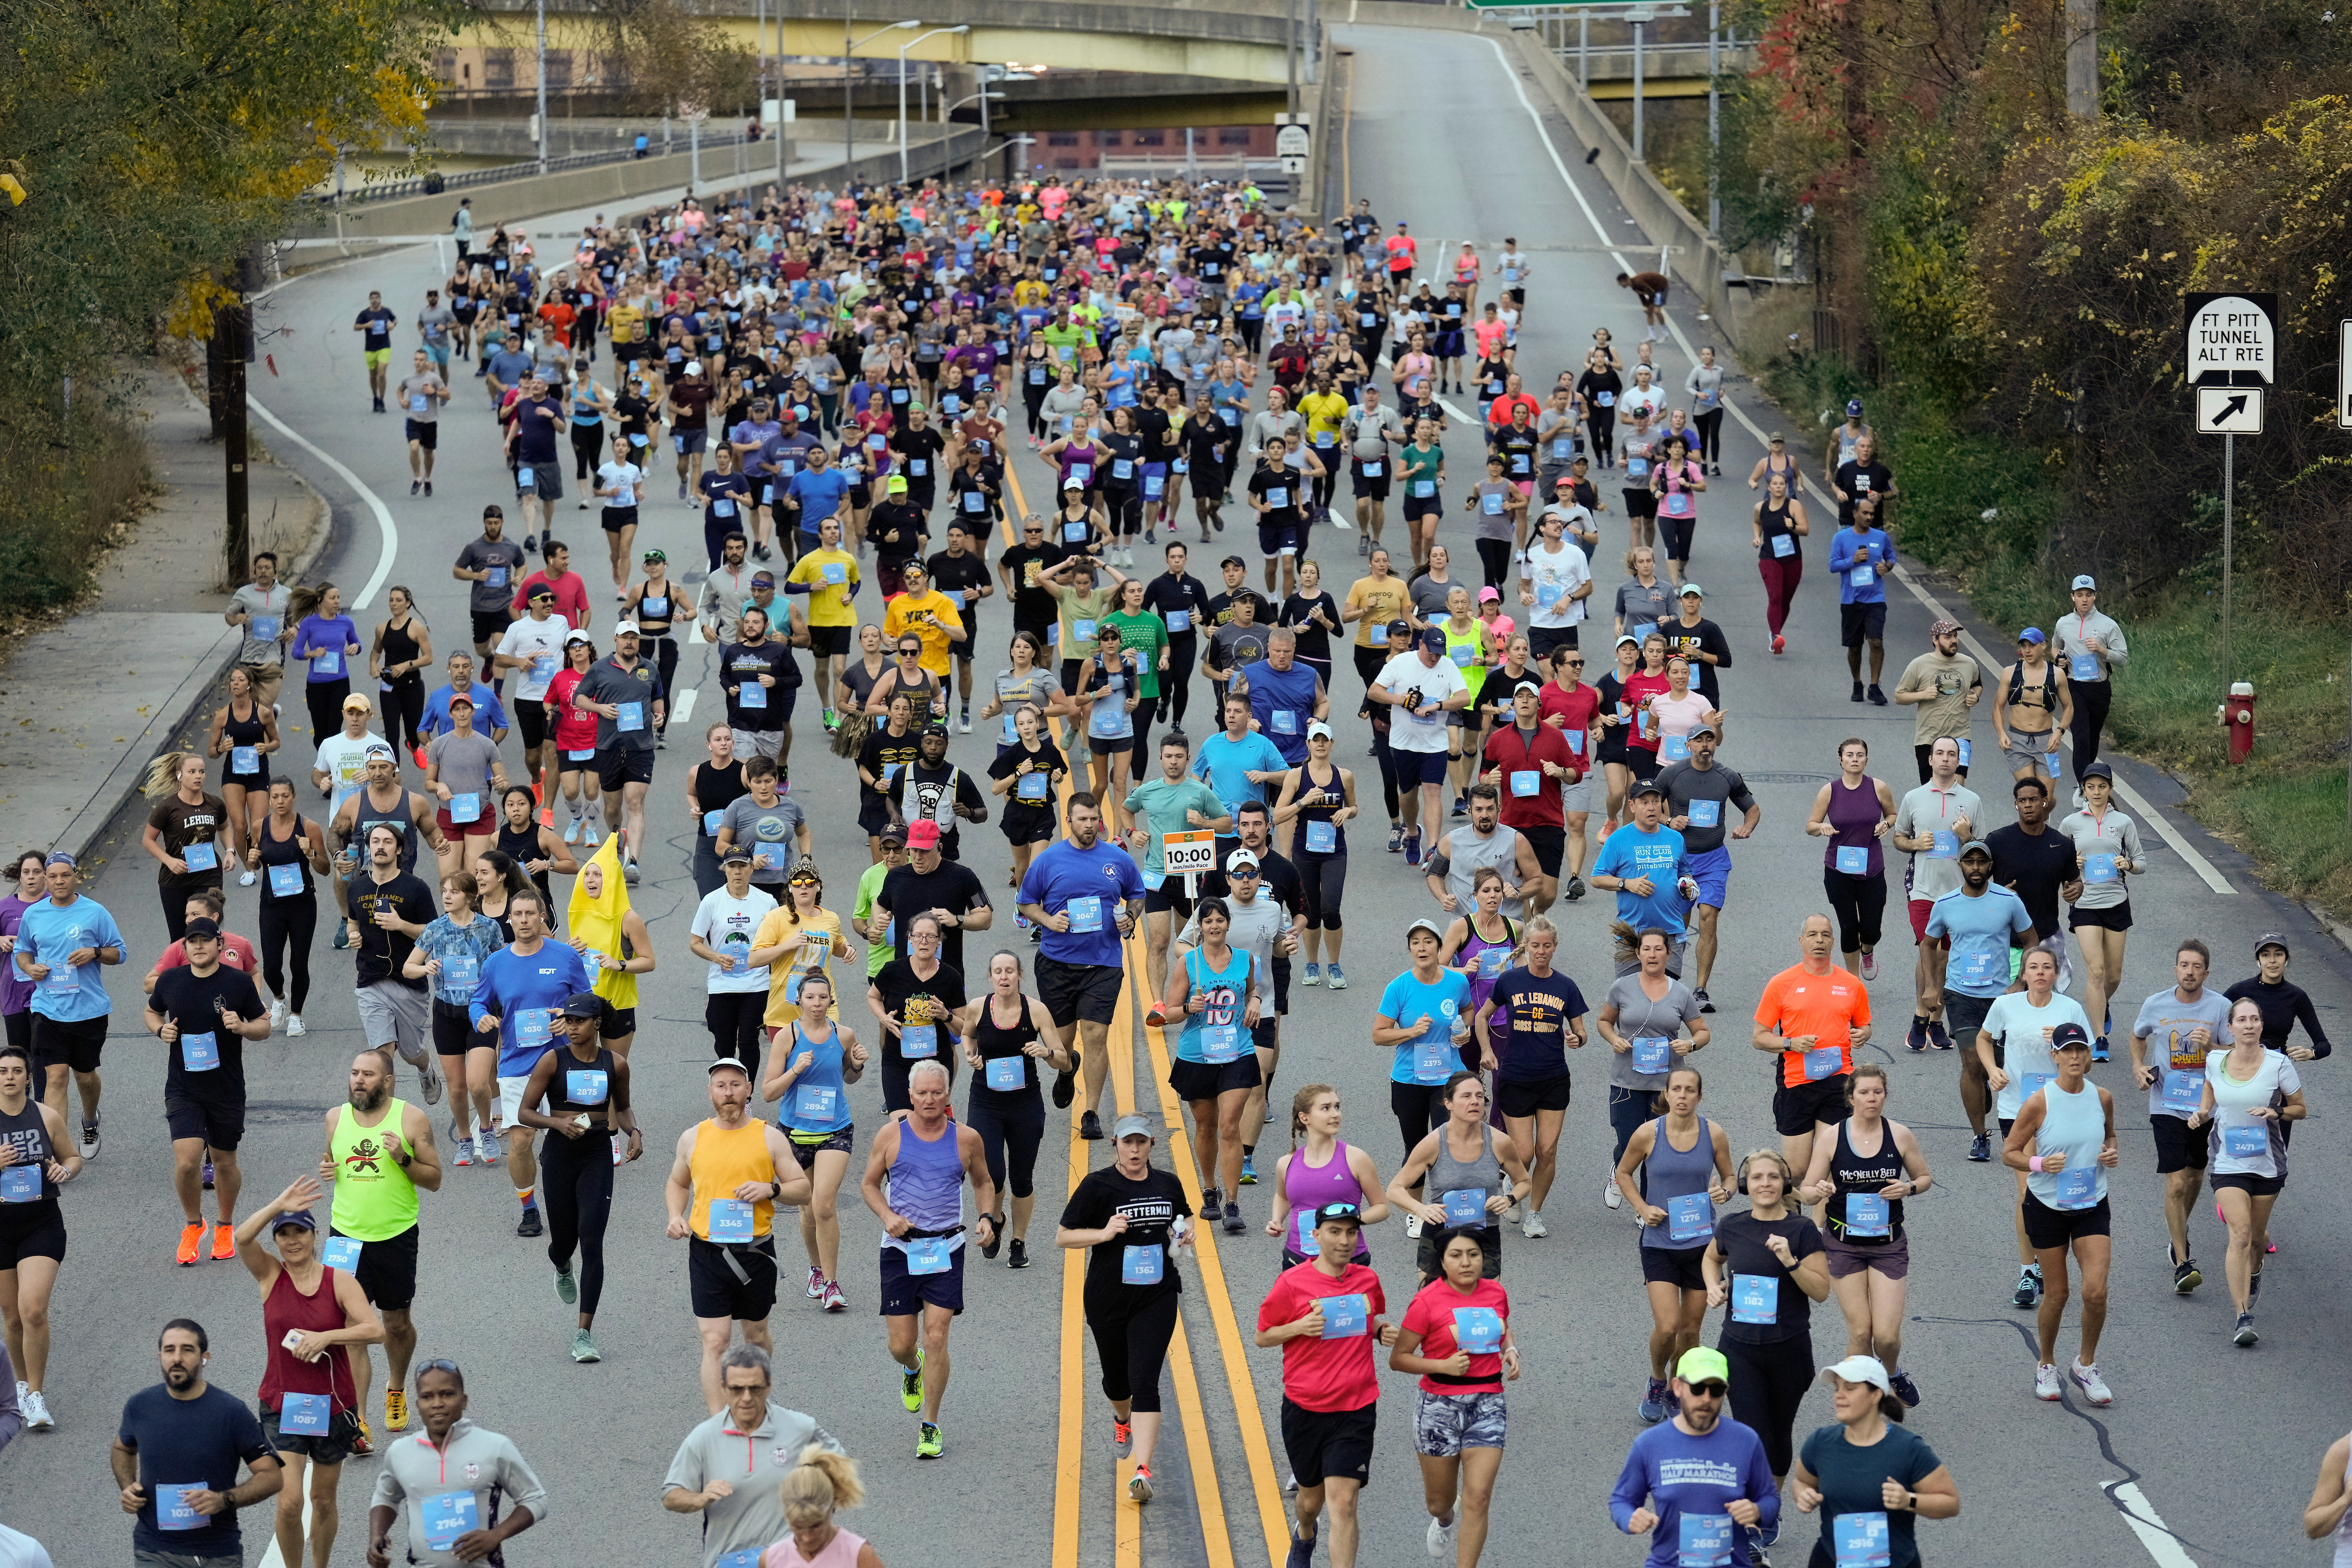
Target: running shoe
x,y
1090,1127
928,1445
364,1444
1704,1004
2245,1337
815,1290
2094,1387
910,1384
1532,1226
1019,1257
2029,1287
37,1411
1856,696
531,1225
1139,1485
486,1148
1654,1401
1904,1388
465,1150
1779,643
1608,826
1869,966
1441,1537
395,1410
1122,1436
1916,1035
1314,975
1981,1148
833,1299
277,1014
1234,1224
208,1174
1878,698
295,1029
572,831
429,487
1610,1196
342,935
567,1289
1396,838
1249,1170
1412,1227
584,1349
1412,849
2099,1050
191,1245
629,873
1157,1016
963,722
2254,1289
1302,1552
2186,1276
2046,1382
1936,1037
245,878
1575,888
432,1083
1064,1090
224,1243
1461,805
1338,980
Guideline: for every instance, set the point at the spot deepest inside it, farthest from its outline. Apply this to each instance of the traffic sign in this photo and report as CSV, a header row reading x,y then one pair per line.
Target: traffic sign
x,y
1188,853
2343,377
1292,142
2228,410
2231,336
1294,165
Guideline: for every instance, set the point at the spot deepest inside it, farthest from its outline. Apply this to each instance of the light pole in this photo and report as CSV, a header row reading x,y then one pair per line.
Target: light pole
x,y
542,8
1714,117
910,43
849,46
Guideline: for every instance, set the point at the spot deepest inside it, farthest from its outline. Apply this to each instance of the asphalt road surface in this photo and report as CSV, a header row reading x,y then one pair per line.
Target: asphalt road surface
x,y
2205,1456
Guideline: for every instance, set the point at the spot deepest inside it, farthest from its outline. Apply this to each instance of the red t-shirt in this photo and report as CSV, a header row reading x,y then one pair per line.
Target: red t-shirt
x,y
1500,415
571,596
1639,687
1579,712
1508,750
1430,1314
1324,1375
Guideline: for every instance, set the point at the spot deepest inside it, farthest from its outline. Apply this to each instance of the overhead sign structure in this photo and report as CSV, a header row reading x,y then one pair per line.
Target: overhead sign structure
x,y
2228,410
2232,340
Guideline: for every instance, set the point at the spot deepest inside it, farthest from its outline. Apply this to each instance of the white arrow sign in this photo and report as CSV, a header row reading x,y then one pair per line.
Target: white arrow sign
x,y
2231,335
2228,410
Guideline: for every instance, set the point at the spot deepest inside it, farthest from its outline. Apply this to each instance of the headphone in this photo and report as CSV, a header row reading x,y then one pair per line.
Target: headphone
x,y
1788,1177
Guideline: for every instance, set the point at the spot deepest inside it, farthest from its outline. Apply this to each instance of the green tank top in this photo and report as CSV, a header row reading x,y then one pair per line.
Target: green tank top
x,y
1462,647
374,1198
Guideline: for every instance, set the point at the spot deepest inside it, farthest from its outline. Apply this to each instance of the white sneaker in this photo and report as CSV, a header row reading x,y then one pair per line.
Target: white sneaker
x,y
1441,1537
295,1026
36,1413
1610,1196
245,878
2045,1381
277,1014
2094,1387
1532,1226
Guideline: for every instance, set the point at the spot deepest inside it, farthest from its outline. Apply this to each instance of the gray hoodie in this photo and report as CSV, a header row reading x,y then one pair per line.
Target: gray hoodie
x,y
482,1463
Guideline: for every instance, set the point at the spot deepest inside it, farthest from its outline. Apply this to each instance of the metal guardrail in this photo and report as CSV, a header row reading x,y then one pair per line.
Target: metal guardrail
x,y
393,190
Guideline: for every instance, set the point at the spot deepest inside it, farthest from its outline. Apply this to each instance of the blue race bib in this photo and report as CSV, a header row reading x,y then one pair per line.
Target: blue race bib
x,y
20,1183
1006,1073
1433,1059
1673,749
534,1026
1866,1215
1754,1299
305,1414
1705,813
1220,1042
752,697
2246,1142
448,1516
1943,845
204,856
1466,1206
1478,1330
328,662
1690,1217
918,1040
1491,962
586,1085
1085,914
929,1255
632,717
1704,1540
1853,861
1862,1541
2083,666
172,1510
266,628
200,1053
2184,1090
1322,838
1652,1053
815,1103
2078,1189
339,1252
466,807
710,823
2100,869
1344,1317
1141,1264
731,1220
1032,786
244,759
1823,1061
285,881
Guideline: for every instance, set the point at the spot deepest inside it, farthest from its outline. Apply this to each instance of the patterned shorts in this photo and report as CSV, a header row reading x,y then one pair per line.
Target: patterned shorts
x,y
1445,1423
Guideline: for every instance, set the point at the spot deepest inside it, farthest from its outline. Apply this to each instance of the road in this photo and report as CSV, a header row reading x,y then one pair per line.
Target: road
x,y
1029,1477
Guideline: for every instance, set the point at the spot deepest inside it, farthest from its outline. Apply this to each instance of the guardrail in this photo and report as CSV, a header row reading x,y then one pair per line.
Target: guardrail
x,y
421,186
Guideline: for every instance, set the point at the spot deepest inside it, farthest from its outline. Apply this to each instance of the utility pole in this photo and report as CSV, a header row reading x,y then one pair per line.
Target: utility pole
x,y
1290,34
848,151
542,122
232,334
1636,19
2083,59
1714,116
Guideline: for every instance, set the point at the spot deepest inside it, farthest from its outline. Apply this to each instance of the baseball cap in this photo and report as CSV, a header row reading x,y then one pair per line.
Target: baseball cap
x,y
202,925
1485,595
1646,786
1565,482
2273,939
1699,730
735,853
572,638
1233,561
1867,1369
626,628
897,485
1700,1364
1425,923
694,367
1689,589
355,702
2099,770
1628,637
1340,1213
1238,858
1526,685
2087,581
1974,847
1854,411
294,1219
2031,634
1943,628
1319,729
583,1005
893,836
718,1062
1400,629
457,697
1131,1126
2066,1035
1433,639
922,834
1074,483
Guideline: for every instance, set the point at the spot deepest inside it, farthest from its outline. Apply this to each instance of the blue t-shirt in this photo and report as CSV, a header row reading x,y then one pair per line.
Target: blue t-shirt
x,y
1434,1057
47,935
490,714
819,493
200,1442
1673,1474
1856,556
1852,1479
1660,855
526,994
1979,929
1283,702
1224,763
1060,872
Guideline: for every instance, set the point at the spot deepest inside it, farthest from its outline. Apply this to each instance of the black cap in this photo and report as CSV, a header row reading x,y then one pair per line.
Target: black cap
x,y
584,1005
202,926
2100,771
735,854
1646,786
1345,1213
1233,561
2068,1035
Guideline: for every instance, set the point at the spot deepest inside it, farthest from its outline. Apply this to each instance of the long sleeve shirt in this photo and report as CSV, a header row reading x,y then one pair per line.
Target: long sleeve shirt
x,y
2072,634
1673,1473
482,1464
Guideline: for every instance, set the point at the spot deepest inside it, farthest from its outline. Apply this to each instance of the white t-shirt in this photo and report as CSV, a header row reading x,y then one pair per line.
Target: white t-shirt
x,y
1555,574
1630,405
344,760
541,642
626,478
727,923
2232,1103
2022,1031
1439,682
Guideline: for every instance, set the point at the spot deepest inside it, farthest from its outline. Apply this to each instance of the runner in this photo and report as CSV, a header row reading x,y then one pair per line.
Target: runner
x,y
630,705
1680,1161
1645,1010
1542,1016
735,991
1070,888
2013,1052
2032,704
376,1166
1813,1014
445,1523
244,734
926,1158
1462,1163
1944,685
35,1161
1650,287
451,953
378,801
185,1427
1751,1265
1132,1219
730,1171
2065,1136
1457,1336
392,908
1450,870
2091,648
1646,864
1330,1391
2284,1002
1869,1502
810,1078
1304,1183
61,944
710,788
259,608
1425,685
1863,1192
2107,849
316,1325
1863,556
1219,989
374,326
1931,825
184,833
1696,793
2252,1093
523,990
1322,798
204,1012
575,1167
1688,1481
1979,925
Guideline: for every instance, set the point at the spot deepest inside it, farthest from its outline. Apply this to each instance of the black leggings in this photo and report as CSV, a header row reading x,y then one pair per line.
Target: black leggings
x,y
1859,905
1767,1384
324,698
1011,1127
1032,400
1370,662
1387,759
2091,700
289,923
1603,426
664,649
733,1017
1419,1109
1495,556
1322,878
1710,426
1133,1348
1675,537
1176,683
575,1188
587,446
1124,506
403,711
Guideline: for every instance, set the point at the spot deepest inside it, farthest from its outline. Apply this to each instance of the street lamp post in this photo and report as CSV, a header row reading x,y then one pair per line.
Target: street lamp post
x,y
542,86
910,43
850,45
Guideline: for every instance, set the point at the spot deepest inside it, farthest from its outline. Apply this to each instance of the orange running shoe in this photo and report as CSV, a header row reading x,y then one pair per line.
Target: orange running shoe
x,y
224,1243
191,1244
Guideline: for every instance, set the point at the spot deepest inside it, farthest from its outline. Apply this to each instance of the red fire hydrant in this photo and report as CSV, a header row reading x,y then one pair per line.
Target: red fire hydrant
x,y
2238,714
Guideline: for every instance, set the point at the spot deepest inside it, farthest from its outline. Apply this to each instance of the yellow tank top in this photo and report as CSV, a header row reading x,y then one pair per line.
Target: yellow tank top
x,y
375,1200
723,1161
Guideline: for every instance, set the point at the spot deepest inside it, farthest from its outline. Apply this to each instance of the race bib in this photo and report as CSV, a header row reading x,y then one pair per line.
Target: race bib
x,y
2079,1189
586,1085
2083,666
730,1221
836,573
461,971
1322,838
1075,533
244,759
1673,749
815,1103
1705,813
200,1053
632,717
266,628
752,696
1424,487
1704,1540
465,808
20,1183
1278,496
449,1516
1823,1061
1031,787
1344,1317
203,856
918,1040
1862,1541
2184,1091
1142,1266
1652,1053
1478,1329
1006,1073
1492,505
1690,1217
1853,859
534,1027
1866,1216
1466,1206
929,1255
1943,845
1863,576
339,1252
1754,1299
2100,868
1433,1061
1180,621
304,1414
172,1510
1220,1042
1783,545
1527,782
1085,914
1286,720
2246,1142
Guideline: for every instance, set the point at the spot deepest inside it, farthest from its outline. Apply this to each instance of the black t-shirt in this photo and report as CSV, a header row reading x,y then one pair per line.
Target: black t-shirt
x,y
1704,637
913,1001
379,323
1151,1205
2033,866
1856,480
1314,637
918,447
1154,428
898,517
1518,447
194,1003
383,950
1207,442
1046,759
1740,1238
1170,592
906,892
882,749
183,826
1278,488
1033,605
952,575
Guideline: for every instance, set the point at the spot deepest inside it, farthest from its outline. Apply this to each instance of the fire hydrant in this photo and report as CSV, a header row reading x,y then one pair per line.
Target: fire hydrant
x,y
2238,715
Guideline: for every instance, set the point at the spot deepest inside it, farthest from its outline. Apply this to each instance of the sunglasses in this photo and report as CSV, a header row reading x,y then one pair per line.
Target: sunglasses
x,y
1575,664
1711,1389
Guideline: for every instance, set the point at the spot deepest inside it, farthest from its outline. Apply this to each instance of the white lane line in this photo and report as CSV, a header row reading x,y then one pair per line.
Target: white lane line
x,y
2161,1543
685,708
273,1557
387,532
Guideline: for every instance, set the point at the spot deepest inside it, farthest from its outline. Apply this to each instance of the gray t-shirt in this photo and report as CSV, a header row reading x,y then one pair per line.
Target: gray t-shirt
x,y
502,559
1494,521
1040,685
1720,786
1234,647
754,1463
420,398
1925,812
608,682
434,321
465,761
267,611
768,832
2165,1022
1428,595
1639,1018
1640,606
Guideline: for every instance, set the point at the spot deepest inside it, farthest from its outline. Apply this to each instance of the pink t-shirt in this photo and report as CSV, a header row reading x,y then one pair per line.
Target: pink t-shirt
x,y
841,1552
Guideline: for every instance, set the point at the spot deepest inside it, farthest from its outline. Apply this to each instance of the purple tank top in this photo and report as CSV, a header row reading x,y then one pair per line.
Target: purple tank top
x,y
1854,813
1309,1187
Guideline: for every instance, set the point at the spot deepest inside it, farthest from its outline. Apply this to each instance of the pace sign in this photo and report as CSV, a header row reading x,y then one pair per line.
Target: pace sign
x,y
2232,339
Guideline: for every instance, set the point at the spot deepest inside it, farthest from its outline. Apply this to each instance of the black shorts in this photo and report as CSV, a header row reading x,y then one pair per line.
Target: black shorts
x,y
59,1044
2252,1185
1861,623
32,1230
826,641
425,433
331,1449
531,719
221,1126
616,1023
1418,507
19,1027
489,626
616,518
1543,640
1490,1251
618,766
386,1272
714,1289
1372,486
2178,1146
2115,917
454,1032
1524,1097
1795,1109
905,1295
1320,1443
1197,1081
1087,991
1551,845
1110,746
1675,1266
1168,898
1641,503
2046,1227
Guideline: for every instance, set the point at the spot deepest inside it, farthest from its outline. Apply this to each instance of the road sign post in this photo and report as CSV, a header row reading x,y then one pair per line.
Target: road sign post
x,y
2343,377
2230,346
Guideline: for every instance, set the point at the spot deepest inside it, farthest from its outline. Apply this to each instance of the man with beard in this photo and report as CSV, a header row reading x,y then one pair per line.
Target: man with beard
x,y
1699,1463
184,1427
931,788
379,1152
1085,894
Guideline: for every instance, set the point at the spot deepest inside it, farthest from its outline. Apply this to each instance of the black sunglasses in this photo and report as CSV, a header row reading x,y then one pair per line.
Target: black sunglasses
x,y
1711,1388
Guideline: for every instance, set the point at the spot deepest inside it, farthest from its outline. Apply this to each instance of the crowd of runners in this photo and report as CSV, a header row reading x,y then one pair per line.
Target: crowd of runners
x,y
838,388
